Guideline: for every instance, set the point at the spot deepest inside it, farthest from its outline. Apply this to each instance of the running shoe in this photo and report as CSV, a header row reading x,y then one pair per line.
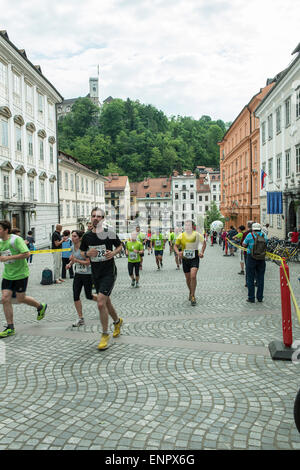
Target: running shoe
x,y
137,284
193,301
104,343
158,267
79,322
190,297
117,328
133,283
7,332
41,313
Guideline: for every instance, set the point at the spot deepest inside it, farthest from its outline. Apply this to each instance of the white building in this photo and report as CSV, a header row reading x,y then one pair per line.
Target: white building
x,y
279,114
152,205
80,190
117,202
184,197
28,144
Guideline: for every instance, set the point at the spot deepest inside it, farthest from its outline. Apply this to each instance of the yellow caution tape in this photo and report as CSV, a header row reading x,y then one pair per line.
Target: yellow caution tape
x,y
276,258
49,251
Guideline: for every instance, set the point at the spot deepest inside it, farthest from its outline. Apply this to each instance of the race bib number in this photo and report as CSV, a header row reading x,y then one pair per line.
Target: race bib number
x,y
80,268
158,243
101,252
189,254
133,256
7,253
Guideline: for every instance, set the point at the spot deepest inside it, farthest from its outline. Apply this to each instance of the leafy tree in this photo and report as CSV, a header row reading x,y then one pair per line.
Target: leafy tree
x,y
211,215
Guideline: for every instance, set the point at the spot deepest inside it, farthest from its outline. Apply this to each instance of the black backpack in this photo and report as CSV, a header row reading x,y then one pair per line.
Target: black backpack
x,y
47,277
259,248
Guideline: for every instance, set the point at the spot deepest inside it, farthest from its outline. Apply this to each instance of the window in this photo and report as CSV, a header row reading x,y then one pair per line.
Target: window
x,y
176,195
287,163
183,207
18,134
278,119
41,147
17,86
200,198
68,210
263,132
200,208
192,196
86,186
77,183
206,198
29,98
20,189
278,167
191,185
176,185
6,186
287,106
31,189
183,195
297,103
270,127
52,192
82,185
4,133
42,191
214,187
72,182
279,221
192,207
74,209
30,144
40,106
3,77
270,169
61,208
158,194
60,179
206,208
66,181
298,159
51,154
215,197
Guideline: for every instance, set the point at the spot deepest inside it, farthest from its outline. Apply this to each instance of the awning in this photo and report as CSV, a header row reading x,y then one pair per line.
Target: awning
x,y
274,202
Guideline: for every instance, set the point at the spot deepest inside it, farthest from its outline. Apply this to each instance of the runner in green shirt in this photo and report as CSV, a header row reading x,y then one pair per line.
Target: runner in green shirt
x,y
141,237
171,240
158,242
134,250
14,253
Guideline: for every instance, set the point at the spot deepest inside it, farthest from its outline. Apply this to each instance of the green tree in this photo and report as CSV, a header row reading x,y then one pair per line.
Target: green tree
x,y
211,215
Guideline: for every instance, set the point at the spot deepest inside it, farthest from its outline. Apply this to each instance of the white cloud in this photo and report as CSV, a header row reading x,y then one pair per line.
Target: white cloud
x,y
188,57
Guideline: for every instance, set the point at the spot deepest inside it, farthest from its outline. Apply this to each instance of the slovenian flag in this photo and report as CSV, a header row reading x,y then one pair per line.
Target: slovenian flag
x,y
263,175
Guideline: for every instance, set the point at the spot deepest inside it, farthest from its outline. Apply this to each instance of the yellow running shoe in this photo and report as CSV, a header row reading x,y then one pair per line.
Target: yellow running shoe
x,y
117,328
104,343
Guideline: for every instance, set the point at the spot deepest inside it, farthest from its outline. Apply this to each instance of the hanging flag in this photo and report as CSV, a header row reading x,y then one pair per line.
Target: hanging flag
x,y
263,175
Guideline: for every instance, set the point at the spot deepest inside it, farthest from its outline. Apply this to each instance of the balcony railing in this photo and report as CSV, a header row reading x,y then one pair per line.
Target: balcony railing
x,y
4,152
19,157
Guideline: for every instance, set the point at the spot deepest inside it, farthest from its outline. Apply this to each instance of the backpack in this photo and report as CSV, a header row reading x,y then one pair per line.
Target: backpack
x,y
47,277
258,251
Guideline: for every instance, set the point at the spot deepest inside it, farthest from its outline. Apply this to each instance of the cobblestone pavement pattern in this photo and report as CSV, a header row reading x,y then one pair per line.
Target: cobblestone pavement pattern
x,y
179,377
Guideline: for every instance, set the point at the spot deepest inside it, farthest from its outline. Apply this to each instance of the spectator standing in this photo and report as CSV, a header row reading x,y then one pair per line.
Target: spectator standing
x,y
65,256
232,232
56,245
294,236
238,237
30,241
255,267
266,229
249,227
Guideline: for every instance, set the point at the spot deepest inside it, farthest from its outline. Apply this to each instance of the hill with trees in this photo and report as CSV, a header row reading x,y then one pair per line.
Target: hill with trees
x,y
138,140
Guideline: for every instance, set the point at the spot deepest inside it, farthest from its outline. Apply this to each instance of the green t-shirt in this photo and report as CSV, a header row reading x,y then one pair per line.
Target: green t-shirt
x,y
238,237
171,236
15,269
140,237
158,241
132,256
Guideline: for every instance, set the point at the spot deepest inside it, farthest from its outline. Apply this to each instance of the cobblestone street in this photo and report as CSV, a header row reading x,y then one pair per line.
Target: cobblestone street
x,y
179,377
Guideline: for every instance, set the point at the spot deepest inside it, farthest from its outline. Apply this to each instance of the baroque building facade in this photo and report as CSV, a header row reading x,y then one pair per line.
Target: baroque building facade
x,y
28,144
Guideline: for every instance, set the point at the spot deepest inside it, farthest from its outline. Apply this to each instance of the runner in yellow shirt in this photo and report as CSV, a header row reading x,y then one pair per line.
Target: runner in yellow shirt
x,y
189,241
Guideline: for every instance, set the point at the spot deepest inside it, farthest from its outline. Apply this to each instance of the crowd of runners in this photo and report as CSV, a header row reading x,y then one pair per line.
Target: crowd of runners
x,y
90,260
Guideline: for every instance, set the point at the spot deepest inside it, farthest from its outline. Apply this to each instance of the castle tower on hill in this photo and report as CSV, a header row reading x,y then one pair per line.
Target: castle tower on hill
x,y
66,106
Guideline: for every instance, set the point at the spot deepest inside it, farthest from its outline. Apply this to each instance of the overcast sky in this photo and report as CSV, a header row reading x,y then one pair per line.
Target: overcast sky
x,y
187,57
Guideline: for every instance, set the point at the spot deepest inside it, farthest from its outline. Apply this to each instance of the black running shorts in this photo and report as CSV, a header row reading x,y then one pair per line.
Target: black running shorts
x,y
17,286
105,283
187,264
134,267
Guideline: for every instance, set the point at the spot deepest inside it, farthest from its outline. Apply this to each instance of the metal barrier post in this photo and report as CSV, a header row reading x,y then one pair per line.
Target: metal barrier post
x,y
282,350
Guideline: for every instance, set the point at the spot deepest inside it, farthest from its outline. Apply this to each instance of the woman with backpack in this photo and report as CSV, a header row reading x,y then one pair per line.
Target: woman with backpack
x,y
256,244
83,276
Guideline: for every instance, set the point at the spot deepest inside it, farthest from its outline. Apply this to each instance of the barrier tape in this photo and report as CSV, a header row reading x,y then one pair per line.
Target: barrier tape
x,y
276,258
49,251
